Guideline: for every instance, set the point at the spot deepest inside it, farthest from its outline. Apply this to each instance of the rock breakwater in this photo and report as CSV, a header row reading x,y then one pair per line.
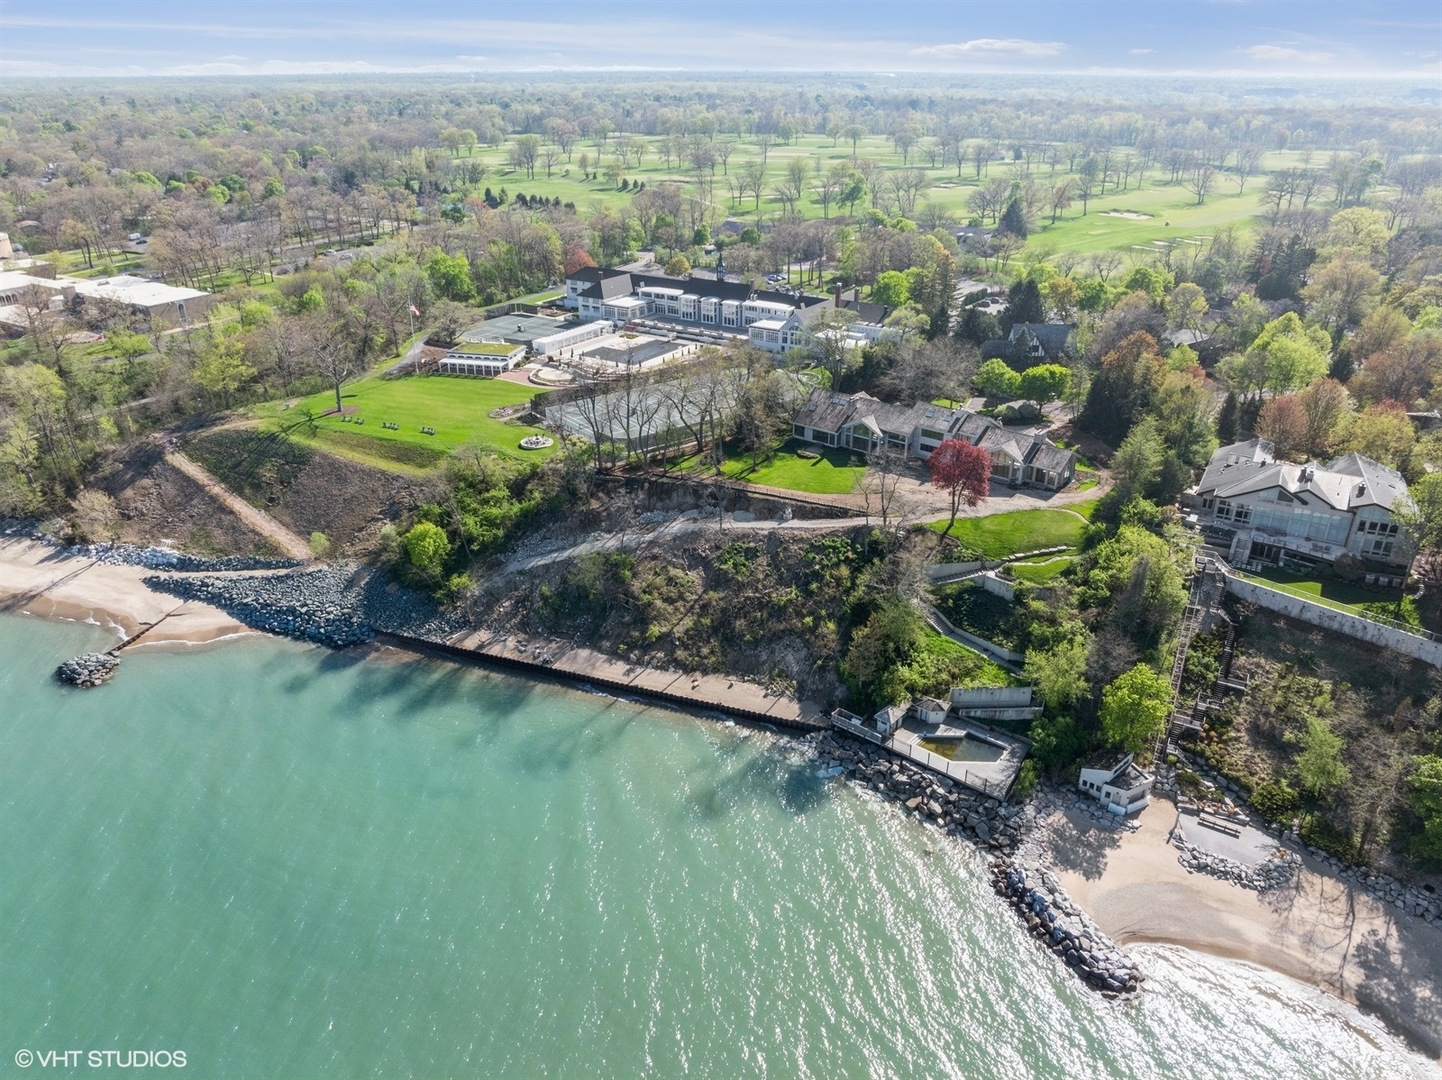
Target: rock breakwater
x,y
337,605
1003,829
88,669
159,558
1065,929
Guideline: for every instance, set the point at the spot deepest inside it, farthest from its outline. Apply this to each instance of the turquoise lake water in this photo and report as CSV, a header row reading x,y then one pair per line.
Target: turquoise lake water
x,y
289,862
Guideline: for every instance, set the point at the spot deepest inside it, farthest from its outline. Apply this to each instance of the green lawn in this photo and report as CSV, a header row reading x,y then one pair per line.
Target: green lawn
x,y
1042,571
455,407
835,472
1157,200
1000,535
1342,595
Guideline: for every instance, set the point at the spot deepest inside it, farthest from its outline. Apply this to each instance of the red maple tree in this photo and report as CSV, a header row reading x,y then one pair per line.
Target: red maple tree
x,y
577,259
964,470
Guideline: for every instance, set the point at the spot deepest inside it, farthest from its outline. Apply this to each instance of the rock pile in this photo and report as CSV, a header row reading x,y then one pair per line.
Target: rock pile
x,y
88,669
1267,874
156,558
935,799
1418,902
1065,929
336,605
1010,832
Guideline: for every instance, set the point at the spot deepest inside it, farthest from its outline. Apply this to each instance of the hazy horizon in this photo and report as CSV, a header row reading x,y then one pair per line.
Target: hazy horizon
x,y
1396,39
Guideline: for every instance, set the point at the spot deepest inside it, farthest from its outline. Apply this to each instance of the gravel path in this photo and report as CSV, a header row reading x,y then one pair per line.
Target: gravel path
x,y
677,527
258,520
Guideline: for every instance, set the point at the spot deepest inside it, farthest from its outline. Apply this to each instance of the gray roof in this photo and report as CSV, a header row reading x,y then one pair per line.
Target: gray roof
x,y
1233,462
1377,485
1185,337
1349,482
999,438
826,410
1051,336
972,427
1053,458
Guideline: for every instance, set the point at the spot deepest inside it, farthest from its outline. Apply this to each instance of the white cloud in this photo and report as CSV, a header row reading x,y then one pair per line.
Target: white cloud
x,y
993,47
1141,52
1274,53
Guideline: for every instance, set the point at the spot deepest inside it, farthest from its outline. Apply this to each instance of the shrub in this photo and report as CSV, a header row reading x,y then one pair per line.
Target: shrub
x,y
1274,800
319,545
1025,780
427,549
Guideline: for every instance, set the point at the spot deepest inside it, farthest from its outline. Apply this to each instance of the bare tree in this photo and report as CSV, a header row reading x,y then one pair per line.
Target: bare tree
x,y
879,484
1200,181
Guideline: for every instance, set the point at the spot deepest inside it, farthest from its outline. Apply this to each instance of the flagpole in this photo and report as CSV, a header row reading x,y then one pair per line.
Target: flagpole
x,y
416,363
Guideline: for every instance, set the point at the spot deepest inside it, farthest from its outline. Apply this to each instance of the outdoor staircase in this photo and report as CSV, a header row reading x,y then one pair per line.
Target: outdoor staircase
x,y
1207,587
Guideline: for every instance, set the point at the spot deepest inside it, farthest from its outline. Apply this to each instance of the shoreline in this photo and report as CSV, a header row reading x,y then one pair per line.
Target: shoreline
x,y
1321,931
37,579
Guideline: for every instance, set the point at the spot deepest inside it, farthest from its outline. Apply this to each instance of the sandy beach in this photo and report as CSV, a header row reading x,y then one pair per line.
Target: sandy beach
x,y
1319,929
36,579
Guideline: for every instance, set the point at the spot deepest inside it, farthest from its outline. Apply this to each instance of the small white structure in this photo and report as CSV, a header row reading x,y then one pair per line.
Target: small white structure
x,y
1114,780
931,711
482,359
889,719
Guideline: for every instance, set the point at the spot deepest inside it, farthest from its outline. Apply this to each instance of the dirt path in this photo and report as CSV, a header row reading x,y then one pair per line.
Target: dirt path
x,y
292,545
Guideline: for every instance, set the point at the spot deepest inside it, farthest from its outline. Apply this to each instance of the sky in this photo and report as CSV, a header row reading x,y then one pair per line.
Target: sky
x,y
1247,38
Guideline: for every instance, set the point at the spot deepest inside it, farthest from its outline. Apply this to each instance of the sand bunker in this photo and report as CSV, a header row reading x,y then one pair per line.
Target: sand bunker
x,y
1130,215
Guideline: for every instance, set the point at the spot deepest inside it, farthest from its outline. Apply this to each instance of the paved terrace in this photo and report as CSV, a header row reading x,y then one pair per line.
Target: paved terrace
x,y
689,690
993,777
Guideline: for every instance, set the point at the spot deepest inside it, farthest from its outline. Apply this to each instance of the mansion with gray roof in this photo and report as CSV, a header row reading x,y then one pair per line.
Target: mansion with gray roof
x,y
860,422
1268,511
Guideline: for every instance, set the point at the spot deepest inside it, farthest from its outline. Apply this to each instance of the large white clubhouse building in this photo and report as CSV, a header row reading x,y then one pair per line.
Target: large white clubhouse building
x,y
1269,511
775,321
861,422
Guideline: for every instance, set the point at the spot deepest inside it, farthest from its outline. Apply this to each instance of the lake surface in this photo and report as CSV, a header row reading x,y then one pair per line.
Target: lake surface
x,y
290,862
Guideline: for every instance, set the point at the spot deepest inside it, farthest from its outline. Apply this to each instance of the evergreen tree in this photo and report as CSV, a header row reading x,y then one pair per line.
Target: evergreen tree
x,y
1013,220
1227,419
1023,305
977,326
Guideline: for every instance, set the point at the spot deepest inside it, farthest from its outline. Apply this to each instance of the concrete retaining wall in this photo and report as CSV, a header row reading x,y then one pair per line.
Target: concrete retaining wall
x,y
957,569
1341,622
996,586
986,648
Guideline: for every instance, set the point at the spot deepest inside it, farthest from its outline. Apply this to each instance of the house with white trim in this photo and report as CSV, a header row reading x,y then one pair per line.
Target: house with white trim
x,y
861,422
771,320
1297,516
1114,779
